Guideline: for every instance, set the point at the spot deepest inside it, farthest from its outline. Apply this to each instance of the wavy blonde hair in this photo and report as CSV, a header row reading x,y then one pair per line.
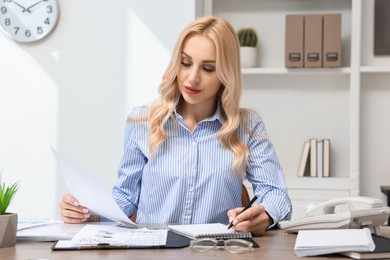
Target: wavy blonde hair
x,y
228,70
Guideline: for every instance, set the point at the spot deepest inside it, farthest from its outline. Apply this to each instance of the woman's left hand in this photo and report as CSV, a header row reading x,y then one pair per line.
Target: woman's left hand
x,y
255,219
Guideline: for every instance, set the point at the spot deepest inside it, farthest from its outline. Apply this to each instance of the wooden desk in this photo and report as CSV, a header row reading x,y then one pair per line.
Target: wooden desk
x,y
274,245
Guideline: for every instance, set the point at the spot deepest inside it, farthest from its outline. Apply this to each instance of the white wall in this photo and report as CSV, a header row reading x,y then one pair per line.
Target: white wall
x,y
375,121
73,90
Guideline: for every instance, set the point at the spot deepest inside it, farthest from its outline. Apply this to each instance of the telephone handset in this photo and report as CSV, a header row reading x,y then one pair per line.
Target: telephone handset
x,y
361,212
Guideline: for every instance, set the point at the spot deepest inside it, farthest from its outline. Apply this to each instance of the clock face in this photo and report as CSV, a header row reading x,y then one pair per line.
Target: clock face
x,y
28,20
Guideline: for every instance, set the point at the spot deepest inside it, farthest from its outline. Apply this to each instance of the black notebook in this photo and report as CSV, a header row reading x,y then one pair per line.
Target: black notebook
x,y
381,251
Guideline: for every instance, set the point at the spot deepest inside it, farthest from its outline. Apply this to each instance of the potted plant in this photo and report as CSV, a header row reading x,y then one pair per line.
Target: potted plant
x,y
248,43
8,221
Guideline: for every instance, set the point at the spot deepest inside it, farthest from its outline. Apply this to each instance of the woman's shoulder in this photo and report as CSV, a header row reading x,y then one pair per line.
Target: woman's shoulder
x,y
138,112
251,116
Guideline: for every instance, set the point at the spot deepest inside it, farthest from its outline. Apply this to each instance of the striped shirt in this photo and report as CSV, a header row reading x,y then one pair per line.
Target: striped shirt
x,y
189,178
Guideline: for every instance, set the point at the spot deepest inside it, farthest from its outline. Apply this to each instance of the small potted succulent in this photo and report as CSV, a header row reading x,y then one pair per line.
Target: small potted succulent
x,y
8,221
248,43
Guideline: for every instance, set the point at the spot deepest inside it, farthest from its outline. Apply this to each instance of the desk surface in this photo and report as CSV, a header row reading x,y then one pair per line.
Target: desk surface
x,y
275,244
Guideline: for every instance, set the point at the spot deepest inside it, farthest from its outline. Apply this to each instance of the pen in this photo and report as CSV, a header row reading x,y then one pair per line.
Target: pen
x,y
246,207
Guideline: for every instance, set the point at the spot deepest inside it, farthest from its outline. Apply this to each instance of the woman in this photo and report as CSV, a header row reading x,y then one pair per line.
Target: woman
x,y
184,157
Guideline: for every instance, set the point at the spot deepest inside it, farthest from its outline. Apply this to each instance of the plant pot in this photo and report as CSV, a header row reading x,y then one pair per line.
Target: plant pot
x,y
248,57
8,228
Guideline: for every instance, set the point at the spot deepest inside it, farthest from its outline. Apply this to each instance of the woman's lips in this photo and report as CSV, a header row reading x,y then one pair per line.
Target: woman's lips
x,y
192,91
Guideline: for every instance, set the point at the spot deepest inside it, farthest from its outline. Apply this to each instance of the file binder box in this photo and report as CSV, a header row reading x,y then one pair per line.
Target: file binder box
x,y
294,41
313,41
332,40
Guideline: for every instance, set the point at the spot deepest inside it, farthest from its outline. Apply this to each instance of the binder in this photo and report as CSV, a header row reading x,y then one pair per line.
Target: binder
x,y
332,40
313,41
294,41
174,240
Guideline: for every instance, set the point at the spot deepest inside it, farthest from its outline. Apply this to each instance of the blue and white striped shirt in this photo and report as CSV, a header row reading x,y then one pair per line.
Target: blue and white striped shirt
x,y
189,178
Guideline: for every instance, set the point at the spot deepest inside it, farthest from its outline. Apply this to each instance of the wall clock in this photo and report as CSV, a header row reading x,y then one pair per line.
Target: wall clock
x,y
28,20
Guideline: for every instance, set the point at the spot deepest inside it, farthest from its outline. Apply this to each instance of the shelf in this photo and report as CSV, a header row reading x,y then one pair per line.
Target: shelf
x,y
374,70
285,71
315,183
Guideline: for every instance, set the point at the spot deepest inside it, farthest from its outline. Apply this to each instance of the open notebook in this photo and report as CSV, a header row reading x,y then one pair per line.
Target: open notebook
x,y
213,230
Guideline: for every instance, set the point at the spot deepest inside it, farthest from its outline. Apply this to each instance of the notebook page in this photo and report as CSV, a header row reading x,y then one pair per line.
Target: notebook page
x,y
216,230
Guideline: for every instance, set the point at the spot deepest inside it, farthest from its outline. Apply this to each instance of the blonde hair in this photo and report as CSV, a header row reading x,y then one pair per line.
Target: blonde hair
x,y
228,70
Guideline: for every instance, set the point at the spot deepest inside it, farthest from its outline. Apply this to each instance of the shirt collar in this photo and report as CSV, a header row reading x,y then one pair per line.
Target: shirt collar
x,y
215,116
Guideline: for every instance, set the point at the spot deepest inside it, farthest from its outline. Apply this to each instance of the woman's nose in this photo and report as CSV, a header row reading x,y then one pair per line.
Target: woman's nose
x,y
194,76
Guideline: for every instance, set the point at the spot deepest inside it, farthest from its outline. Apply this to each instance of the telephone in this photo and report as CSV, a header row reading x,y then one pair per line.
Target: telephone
x,y
361,212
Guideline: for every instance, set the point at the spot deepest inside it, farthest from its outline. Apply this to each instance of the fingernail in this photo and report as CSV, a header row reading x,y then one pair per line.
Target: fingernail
x,y
235,222
85,210
84,219
230,219
76,203
87,215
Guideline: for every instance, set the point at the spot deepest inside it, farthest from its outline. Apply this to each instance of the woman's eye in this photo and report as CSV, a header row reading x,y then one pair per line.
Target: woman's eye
x,y
209,69
185,63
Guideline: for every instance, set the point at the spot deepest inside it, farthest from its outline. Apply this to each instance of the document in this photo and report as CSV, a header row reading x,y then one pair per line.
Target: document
x,y
319,242
95,235
30,223
90,191
49,232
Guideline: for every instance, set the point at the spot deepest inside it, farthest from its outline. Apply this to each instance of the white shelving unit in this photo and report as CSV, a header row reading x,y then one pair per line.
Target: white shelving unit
x,y
297,104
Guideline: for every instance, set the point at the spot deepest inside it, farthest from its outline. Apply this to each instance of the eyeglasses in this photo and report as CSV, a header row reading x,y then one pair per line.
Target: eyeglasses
x,y
236,246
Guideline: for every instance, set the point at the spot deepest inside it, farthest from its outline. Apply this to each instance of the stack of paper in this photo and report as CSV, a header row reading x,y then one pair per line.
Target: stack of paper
x,y
319,242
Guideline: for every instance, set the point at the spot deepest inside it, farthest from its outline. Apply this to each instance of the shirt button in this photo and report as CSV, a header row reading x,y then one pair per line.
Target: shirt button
x,y
193,143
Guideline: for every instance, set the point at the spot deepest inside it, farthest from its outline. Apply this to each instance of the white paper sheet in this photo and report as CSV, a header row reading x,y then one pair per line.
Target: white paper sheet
x,y
328,241
90,191
112,235
30,223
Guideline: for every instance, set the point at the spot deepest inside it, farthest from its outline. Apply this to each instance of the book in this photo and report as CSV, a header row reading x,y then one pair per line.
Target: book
x,y
320,158
313,157
329,241
326,158
211,230
381,251
304,163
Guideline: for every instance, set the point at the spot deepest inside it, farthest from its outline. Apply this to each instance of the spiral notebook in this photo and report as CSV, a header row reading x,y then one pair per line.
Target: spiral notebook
x,y
381,251
213,230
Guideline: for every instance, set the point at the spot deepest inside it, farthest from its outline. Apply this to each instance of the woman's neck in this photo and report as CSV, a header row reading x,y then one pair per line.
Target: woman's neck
x,y
193,114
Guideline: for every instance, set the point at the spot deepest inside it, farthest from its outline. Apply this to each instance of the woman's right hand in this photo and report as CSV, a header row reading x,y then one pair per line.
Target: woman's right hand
x,y
71,210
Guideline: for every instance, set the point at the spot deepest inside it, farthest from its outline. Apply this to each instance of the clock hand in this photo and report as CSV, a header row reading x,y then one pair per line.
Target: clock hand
x,y
21,6
37,3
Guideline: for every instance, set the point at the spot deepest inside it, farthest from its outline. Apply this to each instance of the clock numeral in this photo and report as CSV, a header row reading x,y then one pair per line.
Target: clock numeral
x,y
16,30
39,30
49,9
9,1
7,21
27,33
47,21
3,10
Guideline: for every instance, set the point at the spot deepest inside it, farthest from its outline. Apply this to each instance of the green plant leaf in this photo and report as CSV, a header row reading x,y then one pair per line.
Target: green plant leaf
x,y
7,193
